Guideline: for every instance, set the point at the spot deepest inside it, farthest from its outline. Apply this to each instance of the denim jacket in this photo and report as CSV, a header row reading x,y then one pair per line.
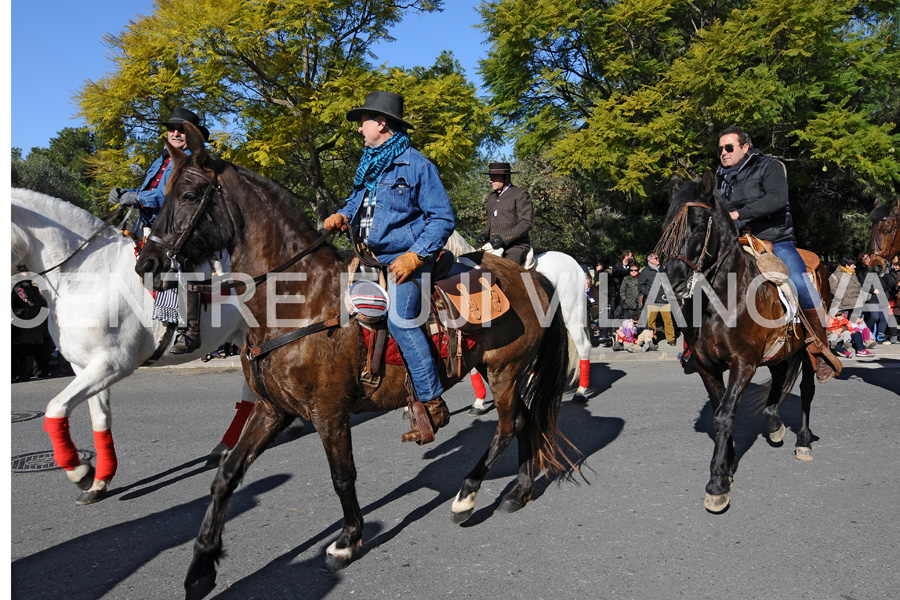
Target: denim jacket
x,y
152,200
412,211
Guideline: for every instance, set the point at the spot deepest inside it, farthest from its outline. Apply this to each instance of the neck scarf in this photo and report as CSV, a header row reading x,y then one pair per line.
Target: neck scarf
x,y
375,160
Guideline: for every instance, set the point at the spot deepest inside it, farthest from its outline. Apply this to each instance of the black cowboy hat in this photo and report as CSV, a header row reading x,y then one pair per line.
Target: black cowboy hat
x,y
499,168
180,116
389,104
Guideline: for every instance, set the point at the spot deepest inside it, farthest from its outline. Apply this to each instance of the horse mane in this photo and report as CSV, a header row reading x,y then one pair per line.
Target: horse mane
x,y
883,211
676,219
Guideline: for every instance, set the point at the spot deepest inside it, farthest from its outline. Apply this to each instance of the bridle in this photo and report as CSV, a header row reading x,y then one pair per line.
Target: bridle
x,y
697,268
106,223
172,250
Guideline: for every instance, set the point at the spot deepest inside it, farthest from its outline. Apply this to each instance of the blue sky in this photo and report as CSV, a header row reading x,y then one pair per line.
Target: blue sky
x,y
57,45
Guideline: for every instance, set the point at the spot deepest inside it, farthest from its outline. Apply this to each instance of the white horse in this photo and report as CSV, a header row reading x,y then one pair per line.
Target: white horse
x,y
100,320
568,279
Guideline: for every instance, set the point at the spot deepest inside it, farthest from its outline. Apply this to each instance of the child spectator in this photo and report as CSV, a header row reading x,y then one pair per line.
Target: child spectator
x,y
628,338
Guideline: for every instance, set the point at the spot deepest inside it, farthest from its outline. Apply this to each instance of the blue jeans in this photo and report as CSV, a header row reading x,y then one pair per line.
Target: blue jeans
x,y
405,324
807,294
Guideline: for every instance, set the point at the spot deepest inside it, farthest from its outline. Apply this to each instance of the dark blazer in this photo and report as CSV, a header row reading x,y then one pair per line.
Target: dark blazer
x,y
509,215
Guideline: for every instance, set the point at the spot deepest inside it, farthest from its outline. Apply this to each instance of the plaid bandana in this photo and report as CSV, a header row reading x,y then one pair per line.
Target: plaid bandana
x,y
375,160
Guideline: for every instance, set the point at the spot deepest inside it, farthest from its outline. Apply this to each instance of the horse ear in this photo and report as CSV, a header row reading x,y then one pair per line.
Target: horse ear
x,y
674,185
195,143
707,184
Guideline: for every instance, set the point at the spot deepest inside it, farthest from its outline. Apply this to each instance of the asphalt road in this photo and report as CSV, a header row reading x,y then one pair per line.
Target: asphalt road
x,y
630,525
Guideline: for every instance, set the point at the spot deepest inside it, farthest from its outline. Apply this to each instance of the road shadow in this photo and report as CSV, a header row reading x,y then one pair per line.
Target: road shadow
x,y
448,464
90,566
884,378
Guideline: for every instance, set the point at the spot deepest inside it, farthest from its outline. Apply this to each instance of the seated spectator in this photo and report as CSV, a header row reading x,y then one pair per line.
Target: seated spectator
x,y
628,338
841,335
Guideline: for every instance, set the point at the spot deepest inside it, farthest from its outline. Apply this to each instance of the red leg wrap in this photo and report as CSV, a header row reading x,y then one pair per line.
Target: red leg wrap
x,y
478,384
106,455
233,434
64,452
584,366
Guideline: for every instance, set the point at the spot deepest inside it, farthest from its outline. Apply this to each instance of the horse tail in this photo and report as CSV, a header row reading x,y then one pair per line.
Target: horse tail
x,y
543,395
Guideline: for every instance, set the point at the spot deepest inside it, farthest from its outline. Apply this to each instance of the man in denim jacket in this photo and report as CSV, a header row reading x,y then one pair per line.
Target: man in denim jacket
x,y
403,214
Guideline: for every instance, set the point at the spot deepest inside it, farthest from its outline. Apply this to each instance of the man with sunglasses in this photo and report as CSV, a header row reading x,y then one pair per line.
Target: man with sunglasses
x,y
755,191
149,199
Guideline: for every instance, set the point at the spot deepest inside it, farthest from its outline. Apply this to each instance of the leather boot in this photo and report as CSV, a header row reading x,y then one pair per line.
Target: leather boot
x,y
188,340
827,364
425,418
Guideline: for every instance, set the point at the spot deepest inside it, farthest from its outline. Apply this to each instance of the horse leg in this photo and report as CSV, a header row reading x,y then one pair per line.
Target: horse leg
x,y
519,496
233,433
803,449
335,435
92,380
464,504
721,468
107,463
584,380
264,425
774,424
478,408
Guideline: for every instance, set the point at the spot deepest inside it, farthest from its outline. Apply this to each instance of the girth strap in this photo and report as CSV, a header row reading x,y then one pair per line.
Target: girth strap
x,y
256,353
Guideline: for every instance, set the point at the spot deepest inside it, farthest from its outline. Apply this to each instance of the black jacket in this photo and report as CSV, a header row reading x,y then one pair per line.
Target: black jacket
x,y
758,191
645,283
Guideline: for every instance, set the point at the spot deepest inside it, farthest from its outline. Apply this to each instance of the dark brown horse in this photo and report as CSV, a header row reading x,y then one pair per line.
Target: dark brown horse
x,y
885,244
704,259
212,205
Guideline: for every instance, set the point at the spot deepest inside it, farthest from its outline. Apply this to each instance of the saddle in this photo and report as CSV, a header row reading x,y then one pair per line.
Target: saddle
x,y
774,270
465,298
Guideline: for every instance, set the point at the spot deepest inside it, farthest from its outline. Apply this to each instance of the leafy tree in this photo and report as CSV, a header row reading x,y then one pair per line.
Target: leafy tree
x,y
274,80
624,93
42,173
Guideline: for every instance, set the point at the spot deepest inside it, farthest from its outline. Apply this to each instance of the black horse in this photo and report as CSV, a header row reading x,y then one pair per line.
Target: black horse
x,y
703,252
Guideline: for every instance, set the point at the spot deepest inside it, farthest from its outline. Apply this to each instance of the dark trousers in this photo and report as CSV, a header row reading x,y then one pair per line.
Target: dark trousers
x,y
517,253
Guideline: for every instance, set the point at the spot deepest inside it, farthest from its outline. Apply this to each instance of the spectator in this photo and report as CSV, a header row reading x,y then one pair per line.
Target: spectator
x,y
840,335
844,285
618,274
628,293
873,307
30,345
658,306
892,288
628,338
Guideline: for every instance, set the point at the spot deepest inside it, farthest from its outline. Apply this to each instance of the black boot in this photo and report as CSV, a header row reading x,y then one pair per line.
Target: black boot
x,y
188,339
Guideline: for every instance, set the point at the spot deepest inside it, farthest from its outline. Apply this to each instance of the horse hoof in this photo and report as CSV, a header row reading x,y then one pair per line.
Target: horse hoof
x,y
82,476
579,398
338,558
776,437
458,518
716,503
91,496
803,453
218,455
510,506
200,588
477,412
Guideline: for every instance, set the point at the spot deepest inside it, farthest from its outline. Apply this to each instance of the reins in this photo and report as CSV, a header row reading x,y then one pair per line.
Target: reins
x,y
698,268
90,238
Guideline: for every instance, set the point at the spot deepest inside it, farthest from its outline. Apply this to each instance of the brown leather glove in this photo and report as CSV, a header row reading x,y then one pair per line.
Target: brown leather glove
x,y
404,266
336,221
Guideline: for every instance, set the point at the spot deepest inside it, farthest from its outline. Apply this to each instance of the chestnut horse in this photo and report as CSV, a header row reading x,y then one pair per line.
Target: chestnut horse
x,y
885,244
212,205
701,243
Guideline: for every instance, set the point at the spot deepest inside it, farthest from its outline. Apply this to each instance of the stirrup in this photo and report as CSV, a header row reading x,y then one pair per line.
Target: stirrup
x,y
185,344
421,430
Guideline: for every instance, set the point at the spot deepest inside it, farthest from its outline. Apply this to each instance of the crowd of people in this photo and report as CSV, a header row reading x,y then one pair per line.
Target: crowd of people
x,y
855,326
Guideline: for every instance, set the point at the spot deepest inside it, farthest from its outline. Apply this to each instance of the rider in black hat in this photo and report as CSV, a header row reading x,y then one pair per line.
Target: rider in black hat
x,y
509,215
149,199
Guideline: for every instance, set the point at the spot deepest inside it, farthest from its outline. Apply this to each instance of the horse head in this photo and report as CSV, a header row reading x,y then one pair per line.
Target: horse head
x,y
697,231
885,242
196,220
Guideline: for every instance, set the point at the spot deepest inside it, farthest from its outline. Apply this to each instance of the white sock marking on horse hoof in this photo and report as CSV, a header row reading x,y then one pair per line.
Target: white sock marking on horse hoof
x,y
463,505
78,473
343,553
777,436
803,453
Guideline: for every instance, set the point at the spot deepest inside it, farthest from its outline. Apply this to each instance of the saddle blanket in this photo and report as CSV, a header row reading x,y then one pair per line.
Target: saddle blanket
x,y
392,353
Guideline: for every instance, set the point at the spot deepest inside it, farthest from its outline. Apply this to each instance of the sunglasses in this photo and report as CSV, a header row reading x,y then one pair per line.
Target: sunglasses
x,y
634,270
729,148
177,128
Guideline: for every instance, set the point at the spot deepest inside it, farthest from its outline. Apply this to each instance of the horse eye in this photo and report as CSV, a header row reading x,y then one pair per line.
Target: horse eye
x,y
190,196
